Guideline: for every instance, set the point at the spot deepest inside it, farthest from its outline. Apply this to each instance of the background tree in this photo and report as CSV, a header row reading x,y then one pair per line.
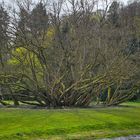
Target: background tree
x,y
113,13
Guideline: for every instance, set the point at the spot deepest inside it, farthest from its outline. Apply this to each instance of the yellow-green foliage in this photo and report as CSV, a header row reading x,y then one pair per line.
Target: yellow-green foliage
x,y
17,56
49,38
22,55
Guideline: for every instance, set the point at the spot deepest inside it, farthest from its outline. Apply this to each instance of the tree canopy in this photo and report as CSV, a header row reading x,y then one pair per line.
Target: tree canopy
x,y
69,54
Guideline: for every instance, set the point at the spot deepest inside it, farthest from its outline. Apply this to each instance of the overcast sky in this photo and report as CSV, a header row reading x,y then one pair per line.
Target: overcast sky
x,y
11,1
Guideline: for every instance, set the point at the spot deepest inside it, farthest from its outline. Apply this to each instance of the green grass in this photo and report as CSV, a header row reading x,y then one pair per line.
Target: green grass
x,y
27,124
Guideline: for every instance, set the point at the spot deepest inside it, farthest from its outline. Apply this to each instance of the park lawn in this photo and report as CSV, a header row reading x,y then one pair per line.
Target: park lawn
x,y
59,124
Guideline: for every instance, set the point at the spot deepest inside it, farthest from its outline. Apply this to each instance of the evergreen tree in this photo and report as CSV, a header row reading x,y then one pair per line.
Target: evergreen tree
x,y
39,18
4,22
113,13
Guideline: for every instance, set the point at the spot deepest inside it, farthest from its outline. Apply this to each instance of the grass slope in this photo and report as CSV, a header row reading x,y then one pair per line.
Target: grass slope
x,y
23,124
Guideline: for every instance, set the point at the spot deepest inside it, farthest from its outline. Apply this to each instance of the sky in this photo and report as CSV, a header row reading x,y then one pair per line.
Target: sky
x,y
11,1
